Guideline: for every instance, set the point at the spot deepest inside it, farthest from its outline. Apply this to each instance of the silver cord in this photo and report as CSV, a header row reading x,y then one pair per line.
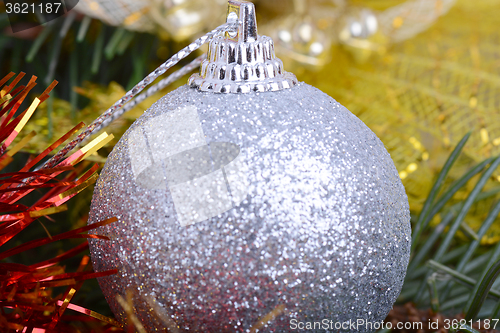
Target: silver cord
x,y
151,91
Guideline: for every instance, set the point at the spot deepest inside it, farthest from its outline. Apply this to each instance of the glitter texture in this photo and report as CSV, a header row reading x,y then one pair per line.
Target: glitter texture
x,y
306,217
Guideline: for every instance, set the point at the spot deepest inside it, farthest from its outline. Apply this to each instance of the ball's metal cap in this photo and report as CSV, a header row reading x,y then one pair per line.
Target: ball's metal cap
x,y
242,61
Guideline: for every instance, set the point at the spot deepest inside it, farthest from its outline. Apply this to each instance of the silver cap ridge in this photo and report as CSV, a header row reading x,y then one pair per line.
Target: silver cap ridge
x,y
242,61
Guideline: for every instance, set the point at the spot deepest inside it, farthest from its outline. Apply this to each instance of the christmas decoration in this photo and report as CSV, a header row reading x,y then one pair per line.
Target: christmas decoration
x,y
257,208
27,295
306,35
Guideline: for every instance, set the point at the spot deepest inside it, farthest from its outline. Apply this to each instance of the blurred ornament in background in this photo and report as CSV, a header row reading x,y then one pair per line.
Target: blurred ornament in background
x,y
306,34
410,18
246,210
177,19
130,14
360,34
362,25
300,37
184,19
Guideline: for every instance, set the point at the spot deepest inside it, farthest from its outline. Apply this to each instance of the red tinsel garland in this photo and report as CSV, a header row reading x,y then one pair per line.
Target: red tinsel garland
x,y
26,299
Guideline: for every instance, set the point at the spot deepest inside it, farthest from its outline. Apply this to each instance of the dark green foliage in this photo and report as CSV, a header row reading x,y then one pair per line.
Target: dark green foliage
x,y
440,259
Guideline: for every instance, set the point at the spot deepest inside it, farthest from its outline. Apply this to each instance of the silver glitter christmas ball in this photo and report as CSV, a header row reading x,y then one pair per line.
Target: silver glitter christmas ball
x,y
267,211
268,208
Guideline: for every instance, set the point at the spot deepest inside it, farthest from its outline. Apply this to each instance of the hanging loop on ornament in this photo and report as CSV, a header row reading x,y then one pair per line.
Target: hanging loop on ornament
x,y
107,116
242,62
